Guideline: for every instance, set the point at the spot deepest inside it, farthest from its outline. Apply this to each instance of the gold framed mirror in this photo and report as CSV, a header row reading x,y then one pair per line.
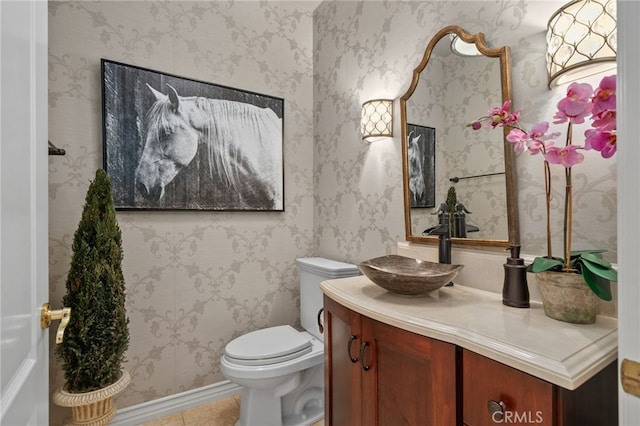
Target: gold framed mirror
x,y
451,87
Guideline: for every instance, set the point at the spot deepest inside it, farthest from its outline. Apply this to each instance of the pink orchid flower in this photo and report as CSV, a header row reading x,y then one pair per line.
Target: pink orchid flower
x,y
535,142
604,97
567,156
502,117
519,140
602,140
540,140
581,101
536,147
476,125
603,136
604,118
576,105
498,117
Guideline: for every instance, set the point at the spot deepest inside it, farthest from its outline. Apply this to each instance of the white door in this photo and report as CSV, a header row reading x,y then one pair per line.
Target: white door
x,y
628,160
24,375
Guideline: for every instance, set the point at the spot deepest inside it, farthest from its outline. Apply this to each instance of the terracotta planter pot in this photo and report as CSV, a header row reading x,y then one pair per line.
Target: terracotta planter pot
x,y
567,297
92,408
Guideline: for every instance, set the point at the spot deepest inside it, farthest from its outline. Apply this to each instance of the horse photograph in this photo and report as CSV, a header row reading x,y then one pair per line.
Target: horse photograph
x,y
421,162
176,143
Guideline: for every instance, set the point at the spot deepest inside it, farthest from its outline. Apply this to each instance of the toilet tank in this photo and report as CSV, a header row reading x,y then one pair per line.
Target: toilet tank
x,y
312,271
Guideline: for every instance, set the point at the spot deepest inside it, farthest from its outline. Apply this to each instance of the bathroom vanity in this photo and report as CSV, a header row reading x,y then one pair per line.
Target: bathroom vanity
x,y
460,357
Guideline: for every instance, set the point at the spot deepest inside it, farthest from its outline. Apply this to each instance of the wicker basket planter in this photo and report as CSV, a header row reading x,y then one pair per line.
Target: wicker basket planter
x,y
95,408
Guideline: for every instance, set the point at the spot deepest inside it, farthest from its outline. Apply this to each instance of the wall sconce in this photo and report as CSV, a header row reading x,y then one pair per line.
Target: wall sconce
x,y
581,40
377,119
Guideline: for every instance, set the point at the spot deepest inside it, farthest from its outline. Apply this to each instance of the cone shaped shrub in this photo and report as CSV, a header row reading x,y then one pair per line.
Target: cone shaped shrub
x,y
97,335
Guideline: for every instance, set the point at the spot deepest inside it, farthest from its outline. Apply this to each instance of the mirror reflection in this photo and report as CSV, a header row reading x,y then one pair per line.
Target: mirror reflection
x,y
452,173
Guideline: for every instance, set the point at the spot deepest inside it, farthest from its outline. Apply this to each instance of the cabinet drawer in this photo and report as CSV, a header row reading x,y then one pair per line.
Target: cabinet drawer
x,y
514,397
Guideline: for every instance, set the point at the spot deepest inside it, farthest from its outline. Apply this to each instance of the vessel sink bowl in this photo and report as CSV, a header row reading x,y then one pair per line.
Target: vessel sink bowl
x,y
408,276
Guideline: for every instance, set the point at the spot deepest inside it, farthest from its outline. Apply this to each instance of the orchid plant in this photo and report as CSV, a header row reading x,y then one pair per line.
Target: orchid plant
x,y
581,102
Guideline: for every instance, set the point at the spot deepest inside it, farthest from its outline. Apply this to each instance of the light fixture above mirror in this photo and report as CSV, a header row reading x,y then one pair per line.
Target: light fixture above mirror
x,y
581,40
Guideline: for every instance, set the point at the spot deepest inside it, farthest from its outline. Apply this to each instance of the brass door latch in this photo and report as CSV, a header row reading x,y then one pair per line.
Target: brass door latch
x,y
630,377
47,315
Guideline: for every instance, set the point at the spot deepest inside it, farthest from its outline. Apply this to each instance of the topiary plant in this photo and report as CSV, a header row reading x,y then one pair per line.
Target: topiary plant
x,y
97,335
452,200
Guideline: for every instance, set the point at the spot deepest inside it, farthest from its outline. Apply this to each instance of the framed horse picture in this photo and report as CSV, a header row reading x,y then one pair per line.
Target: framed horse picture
x,y
177,143
421,150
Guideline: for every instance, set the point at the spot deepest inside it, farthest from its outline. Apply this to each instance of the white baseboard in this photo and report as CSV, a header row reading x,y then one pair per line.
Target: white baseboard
x,y
162,407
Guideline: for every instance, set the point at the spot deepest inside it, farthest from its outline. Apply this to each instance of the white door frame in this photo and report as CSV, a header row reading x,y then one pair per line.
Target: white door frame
x,y
628,161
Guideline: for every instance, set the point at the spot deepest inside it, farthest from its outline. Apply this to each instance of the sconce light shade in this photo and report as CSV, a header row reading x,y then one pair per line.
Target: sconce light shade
x,y
581,40
377,119
462,48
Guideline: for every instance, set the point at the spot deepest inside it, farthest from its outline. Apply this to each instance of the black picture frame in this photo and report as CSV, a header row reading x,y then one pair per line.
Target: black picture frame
x,y
421,150
150,122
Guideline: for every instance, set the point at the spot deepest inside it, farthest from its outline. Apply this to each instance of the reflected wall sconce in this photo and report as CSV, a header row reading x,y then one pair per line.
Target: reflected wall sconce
x,y
377,119
581,40
462,48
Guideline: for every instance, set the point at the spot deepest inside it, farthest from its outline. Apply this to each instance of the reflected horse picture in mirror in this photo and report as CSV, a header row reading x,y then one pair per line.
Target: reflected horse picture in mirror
x,y
451,84
421,157
190,144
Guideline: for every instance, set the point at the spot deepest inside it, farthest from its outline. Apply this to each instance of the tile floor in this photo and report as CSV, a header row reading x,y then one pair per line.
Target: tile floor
x,y
223,412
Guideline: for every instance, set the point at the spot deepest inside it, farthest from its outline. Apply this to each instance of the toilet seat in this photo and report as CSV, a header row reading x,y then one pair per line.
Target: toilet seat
x,y
268,346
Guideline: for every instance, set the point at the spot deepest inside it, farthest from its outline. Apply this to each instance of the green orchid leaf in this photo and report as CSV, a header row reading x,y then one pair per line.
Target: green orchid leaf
x,y
594,258
541,264
599,270
601,287
577,252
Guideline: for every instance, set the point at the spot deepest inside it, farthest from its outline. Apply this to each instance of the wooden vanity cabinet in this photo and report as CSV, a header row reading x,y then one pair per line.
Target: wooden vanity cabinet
x,y
495,393
343,390
377,374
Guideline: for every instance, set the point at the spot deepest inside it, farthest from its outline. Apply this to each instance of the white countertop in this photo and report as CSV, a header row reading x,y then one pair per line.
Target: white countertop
x,y
558,352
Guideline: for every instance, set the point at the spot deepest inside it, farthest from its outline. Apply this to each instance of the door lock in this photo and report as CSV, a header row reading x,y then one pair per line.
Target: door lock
x,y
47,315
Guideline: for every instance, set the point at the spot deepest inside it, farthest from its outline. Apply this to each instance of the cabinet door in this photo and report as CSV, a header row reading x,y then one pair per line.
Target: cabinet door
x,y
411,379
342,370
515,397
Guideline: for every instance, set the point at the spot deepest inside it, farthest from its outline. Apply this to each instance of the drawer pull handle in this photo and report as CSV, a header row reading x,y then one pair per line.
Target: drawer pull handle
x,y
496,409
351,340
320,325
364,366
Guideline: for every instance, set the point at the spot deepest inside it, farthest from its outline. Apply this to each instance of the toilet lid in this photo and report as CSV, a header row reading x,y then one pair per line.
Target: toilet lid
x,y
268,346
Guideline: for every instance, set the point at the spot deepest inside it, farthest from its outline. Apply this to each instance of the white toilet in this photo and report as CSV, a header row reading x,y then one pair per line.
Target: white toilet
x,y
280,369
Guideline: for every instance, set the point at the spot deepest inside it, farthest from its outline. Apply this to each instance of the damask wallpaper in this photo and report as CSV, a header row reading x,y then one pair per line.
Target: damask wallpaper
x,y
367,50
196,280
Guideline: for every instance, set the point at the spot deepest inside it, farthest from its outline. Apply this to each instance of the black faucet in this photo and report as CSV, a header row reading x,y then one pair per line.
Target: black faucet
x,y
443,232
